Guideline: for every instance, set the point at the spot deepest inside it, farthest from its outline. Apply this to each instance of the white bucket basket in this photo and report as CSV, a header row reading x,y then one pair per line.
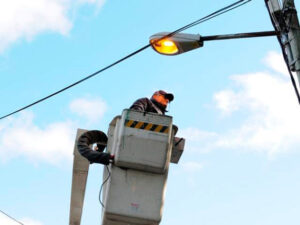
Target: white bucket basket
x,y
142,141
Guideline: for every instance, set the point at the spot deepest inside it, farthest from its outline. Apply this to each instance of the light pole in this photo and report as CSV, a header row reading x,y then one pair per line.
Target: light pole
x,y
285,20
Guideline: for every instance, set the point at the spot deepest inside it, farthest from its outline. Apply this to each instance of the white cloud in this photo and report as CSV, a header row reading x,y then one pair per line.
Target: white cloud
x,y
197,140
92,109
227,101
7,220
276,62
28,221
25,19
191,167
272,124
19,136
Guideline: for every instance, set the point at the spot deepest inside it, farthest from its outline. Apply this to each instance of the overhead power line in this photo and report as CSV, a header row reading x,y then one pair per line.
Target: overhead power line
x,y
203,19
11,217
210,16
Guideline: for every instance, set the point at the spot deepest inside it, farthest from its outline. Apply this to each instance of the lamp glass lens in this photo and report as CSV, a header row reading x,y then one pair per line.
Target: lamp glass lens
x,y
164,46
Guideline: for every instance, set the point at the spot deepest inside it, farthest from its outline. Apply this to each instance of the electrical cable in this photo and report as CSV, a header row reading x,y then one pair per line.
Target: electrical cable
x,y
210,16
285,57
12,218
106,179
80,81
203,19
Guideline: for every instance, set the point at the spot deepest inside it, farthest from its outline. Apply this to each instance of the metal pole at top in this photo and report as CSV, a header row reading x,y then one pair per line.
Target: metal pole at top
x,y
285,20
293,35
239,35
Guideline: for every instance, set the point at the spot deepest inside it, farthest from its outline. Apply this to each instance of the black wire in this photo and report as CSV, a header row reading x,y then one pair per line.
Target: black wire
x,y
206,18
293,80
77,82
285,57
11,218
203,19
212,15
103,185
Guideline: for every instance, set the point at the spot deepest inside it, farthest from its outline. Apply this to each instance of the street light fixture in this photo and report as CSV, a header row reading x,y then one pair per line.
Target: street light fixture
x,y
167,44
174,44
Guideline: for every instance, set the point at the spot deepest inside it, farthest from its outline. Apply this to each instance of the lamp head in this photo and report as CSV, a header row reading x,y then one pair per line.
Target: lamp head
x,y
175,44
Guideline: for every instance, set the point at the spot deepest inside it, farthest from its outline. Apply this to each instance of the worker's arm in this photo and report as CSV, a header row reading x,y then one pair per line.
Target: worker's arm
x,y
91,137
140,105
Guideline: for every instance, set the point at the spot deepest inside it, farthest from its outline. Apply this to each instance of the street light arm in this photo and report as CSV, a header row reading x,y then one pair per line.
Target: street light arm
x,y
182,42
239,35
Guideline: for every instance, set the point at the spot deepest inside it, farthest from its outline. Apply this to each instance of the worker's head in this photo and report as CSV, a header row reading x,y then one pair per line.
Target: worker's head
x,y
163,98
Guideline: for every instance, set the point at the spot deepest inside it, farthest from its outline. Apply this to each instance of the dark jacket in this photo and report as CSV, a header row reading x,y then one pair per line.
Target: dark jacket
x,y
91,137
147,105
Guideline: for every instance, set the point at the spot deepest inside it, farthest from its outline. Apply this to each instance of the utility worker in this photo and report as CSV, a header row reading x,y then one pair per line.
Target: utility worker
x,y
157,104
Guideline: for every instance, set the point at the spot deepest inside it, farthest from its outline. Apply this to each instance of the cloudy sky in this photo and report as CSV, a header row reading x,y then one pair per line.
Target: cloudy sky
x,y
234,104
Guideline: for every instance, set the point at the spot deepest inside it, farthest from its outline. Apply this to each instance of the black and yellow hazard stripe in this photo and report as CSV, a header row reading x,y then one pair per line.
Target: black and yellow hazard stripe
x,y
147,126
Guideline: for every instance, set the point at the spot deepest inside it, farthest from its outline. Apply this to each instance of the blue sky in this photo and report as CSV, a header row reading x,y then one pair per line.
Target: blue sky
x,y
234,104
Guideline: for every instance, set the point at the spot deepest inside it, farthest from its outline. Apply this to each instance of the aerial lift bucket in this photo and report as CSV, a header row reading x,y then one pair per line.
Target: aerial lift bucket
x,y
143,145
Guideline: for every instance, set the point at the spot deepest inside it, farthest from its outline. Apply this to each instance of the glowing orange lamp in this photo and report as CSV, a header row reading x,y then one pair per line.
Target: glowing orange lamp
x,y
175,44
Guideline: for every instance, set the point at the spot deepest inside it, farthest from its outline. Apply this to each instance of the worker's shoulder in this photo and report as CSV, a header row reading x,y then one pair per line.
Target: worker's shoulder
x,y
145,100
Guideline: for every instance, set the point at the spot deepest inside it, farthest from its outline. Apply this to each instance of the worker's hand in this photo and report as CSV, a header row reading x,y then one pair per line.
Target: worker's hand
x,y
99,147
112,159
